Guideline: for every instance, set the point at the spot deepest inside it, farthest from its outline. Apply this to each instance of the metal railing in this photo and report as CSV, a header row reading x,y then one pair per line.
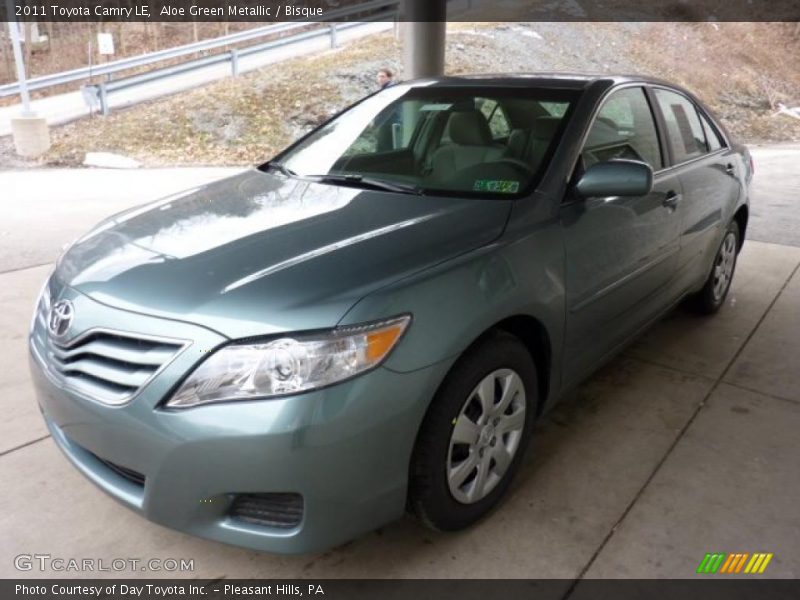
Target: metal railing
x,y
96,95
376,10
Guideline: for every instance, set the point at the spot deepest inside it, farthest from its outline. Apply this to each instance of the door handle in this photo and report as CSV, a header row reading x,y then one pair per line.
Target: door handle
x,y
729,169
671,200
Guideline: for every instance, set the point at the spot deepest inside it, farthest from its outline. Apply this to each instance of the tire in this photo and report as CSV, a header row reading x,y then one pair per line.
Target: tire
x,y
436,498
715,290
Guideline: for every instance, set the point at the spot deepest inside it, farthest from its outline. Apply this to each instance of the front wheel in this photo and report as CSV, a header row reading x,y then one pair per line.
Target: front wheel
x,y
473,437
711,298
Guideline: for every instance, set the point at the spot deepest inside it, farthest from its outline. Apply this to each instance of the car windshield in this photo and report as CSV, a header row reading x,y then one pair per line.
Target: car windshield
x,y
479,140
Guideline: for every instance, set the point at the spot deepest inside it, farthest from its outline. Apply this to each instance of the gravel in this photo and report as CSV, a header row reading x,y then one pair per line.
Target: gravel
x,y
531,47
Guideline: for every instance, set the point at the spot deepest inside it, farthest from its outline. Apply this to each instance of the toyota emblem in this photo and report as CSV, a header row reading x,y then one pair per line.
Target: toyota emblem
x,y
60,318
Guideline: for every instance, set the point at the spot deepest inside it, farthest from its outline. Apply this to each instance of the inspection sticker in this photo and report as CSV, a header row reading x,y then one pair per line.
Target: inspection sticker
x,y
501,186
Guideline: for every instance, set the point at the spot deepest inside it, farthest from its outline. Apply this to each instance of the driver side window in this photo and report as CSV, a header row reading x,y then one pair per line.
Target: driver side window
x,y
624,128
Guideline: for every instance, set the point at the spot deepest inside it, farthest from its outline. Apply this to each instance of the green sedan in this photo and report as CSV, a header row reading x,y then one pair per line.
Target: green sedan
x,y
372,321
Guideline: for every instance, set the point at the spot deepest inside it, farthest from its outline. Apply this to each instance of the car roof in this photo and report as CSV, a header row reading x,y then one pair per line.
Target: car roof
x,y
563,80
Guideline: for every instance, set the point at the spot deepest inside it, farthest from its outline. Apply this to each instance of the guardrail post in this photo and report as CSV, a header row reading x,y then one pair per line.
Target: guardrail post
x,y
334,41
104,108
234,62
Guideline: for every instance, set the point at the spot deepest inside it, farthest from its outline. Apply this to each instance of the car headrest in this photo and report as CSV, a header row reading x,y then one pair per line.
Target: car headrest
x,y
469,128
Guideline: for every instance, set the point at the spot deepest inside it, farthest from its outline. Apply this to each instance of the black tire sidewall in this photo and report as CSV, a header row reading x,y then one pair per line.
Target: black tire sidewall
x,y
430,494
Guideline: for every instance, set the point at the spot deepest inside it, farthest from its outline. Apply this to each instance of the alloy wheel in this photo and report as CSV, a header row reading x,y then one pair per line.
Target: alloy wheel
x,y
486,436
723,266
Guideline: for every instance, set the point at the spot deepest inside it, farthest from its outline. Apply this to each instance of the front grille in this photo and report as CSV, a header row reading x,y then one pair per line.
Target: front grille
x,y
283,511
129,474
108,366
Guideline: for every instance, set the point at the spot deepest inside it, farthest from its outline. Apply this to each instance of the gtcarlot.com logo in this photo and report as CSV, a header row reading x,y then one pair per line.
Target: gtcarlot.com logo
x,y
734,563
47,562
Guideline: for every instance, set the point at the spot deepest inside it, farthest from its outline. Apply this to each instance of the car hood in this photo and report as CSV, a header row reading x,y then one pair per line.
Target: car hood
x,y
259,253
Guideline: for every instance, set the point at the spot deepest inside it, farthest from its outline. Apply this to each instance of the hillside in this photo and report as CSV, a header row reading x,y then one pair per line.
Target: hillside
x,y
742,70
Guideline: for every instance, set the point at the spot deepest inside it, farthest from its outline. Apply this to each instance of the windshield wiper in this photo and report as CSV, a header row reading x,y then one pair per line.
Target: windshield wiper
x,y
361,181
281,168
348,179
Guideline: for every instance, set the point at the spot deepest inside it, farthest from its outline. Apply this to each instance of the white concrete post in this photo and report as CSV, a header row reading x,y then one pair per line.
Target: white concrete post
x,y
22,80
31,135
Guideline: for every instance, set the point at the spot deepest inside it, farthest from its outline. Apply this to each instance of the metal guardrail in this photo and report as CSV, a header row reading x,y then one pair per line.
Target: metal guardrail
x,y
96,95
387,10
45,81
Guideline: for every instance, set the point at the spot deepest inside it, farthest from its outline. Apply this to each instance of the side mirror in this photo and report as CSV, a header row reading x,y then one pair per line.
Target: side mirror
x,y
616,177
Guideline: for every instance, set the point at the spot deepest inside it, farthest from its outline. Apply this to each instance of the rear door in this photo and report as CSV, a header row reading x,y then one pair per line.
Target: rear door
x,y
621,252
708,171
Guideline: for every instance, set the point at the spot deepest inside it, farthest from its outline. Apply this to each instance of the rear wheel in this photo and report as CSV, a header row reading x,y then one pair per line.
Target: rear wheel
x,y
712,296
474,435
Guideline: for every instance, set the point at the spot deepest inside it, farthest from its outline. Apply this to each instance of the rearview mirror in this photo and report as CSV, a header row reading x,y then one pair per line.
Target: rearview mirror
x,y
616,177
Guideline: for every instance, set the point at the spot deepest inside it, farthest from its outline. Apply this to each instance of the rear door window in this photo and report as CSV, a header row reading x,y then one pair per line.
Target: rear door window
x,y
712,137
687,139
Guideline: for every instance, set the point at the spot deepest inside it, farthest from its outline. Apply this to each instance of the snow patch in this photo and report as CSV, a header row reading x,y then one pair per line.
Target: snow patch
x,y
109,160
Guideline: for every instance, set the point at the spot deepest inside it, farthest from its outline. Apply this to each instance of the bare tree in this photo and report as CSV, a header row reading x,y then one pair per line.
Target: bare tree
x,y
120,38
49,26
28,35
7,66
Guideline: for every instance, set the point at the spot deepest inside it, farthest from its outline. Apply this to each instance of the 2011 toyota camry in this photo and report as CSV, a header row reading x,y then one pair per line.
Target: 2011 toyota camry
x,y
372,321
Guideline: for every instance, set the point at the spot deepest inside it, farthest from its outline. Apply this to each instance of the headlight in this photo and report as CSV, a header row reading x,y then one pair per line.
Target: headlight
x,y
290,364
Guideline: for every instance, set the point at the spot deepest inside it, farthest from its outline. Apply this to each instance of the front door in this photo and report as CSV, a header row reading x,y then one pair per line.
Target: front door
x,y
621,252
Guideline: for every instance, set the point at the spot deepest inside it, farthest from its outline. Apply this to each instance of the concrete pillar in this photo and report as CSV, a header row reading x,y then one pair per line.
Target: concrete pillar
x,y
424,29
31,135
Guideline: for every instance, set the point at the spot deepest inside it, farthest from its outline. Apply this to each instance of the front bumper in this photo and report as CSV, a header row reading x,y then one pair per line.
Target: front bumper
x,y
345,449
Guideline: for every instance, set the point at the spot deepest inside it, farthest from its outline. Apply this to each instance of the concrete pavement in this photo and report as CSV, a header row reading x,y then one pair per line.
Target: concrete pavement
x,y
776,192
685,444
44,209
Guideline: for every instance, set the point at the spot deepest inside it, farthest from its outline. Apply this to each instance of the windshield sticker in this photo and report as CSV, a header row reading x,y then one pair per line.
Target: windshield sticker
x,y
501,186
437,107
